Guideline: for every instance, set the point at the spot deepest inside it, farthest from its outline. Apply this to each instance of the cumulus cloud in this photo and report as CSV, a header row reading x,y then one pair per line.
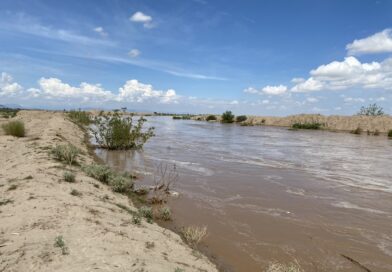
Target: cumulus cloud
x,y
312,99
251,90
140,17
100,31
133,53
7,85
135,91
354,100
274,90
380,42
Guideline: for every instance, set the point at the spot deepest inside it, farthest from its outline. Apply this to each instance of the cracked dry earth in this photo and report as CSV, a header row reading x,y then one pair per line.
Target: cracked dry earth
x,y
36,207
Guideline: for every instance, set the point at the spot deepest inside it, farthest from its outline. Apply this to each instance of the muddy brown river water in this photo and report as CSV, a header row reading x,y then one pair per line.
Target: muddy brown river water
x,y
270,194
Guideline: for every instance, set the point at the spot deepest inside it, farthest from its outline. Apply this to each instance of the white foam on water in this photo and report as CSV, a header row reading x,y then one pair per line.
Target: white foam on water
x,y
348,205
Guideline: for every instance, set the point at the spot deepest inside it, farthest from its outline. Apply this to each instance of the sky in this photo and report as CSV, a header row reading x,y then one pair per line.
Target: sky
x,y
276,57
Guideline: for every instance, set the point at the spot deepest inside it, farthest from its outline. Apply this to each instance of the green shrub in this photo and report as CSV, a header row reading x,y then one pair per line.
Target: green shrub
x,y
99,172
14,128
314,125
390,133
357,131
146,212
211,118
8,113
67,153
59,242
113,131
80,117
136,219
227,117
371,110
69,177
121,185
165,213
241,118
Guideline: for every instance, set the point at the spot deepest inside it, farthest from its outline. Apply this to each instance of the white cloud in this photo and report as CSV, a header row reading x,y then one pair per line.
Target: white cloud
x,y
100,31
140,17
275,90
354,100
7,85
234,102
312,99
265,101
350,72
135,91
133,53
380,42
251,90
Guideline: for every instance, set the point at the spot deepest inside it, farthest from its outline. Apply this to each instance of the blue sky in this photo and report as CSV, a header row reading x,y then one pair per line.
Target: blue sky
x,y
254,57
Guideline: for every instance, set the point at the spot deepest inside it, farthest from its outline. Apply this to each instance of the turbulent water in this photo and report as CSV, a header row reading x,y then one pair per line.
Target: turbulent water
x,y
270,194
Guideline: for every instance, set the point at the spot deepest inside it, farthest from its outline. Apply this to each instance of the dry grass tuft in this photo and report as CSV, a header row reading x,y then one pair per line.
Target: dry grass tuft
x,y
193,235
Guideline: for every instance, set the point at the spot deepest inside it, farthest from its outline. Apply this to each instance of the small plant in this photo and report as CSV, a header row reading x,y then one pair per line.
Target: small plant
x,y
136,219
75,192
357,131
390,133
67,153
12,187
112,131
211,118
14,128
150,245
146,212
165,178
291,267
80,117
165,213
179,269
371,110
193,235
241,118
5,202
99,172
313,125
59,242
69,177
227,117
121,185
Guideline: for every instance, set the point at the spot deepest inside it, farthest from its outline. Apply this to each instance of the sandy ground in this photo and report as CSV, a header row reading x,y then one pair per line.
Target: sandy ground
x,y
36,206
333,122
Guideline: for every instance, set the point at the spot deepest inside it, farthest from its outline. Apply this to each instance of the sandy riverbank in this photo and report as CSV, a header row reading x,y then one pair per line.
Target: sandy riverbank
x,y
36,206
333,122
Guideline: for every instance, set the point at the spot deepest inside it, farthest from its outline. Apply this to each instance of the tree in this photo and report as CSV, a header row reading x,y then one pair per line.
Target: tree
x,y
227,117
371,110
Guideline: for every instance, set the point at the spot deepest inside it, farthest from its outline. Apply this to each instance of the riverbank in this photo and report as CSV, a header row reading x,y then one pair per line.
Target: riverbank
x,y
39,211
382,124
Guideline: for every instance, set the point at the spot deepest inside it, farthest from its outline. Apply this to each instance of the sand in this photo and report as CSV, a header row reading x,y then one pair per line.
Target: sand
x,y
36,207
333,122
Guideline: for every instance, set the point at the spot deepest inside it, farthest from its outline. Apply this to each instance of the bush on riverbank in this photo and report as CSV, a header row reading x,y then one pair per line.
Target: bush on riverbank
x,y
8,113
241,118
80,117
114,132
227,117
182,117
211,118
101,173
193,235
390,133
313,125
66,153
14,128
357,131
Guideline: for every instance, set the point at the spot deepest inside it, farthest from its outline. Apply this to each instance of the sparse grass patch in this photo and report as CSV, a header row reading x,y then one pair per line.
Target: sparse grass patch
x,y
164,213
147,213
357,131
313,125
14,128
278,267
60,243
69,176
80,117
8,113
75,192
121,185
127,209
211,118
66,153
150,245
136,219
179,269
99,172
193,235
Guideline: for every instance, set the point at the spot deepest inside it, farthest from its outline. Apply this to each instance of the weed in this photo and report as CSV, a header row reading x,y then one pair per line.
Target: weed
x,y
179,269
313,125
150,245
193,235
14,128
146,212
69,177
5,202
59,242
142,191
75,192
241,118
121,184
80,117
165,213
67,153
99,172
12,187
211,118
136,219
